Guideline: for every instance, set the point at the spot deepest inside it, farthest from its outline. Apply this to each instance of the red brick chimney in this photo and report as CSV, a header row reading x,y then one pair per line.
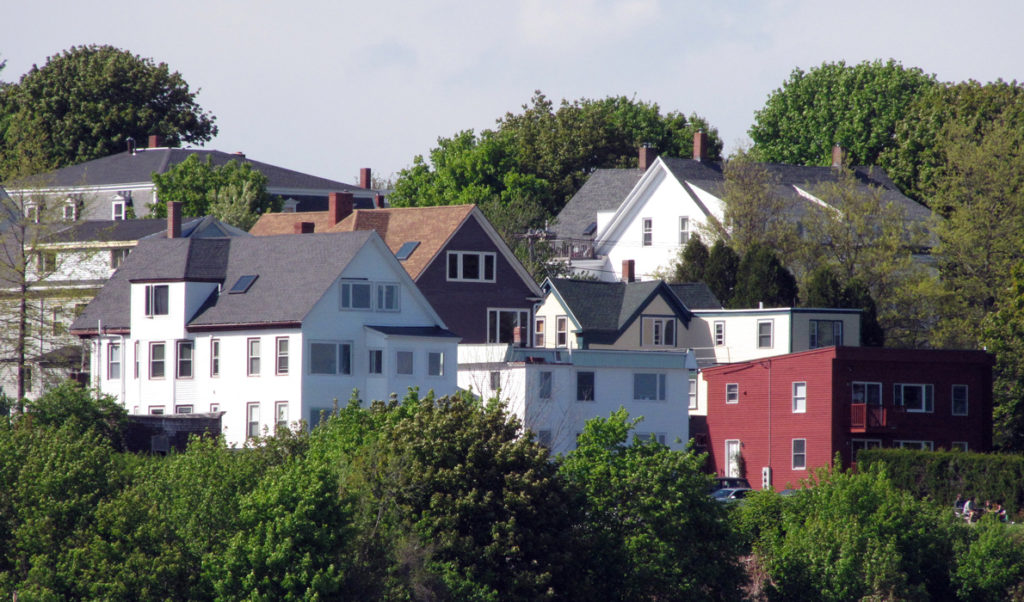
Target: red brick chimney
x,y
304,227
700,146
155,141
628,270
647,157
838,156
378,201
173,219
339,206
364,178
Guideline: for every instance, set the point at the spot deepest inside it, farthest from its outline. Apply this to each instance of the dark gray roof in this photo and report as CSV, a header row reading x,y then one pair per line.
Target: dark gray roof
x,y
294,272
603,309
138,167
604,190
136,229
414,331
696,295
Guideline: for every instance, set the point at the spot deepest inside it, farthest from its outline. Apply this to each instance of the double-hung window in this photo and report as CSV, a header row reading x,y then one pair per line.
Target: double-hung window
x,y
113,361
253,357
693,394
157,299
799,454
376,361
404,363
825,333
959,400
799,397
355,296
914,398
471,266
435,363
281,412
538,332
387,297
649,386
282,355
214,357
684,230
185,349
719,333
647,228
732,393
252,420
156,360
764,334
136,359
561,331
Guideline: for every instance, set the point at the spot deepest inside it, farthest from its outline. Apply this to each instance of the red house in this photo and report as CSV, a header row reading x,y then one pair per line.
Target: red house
x,y
775,419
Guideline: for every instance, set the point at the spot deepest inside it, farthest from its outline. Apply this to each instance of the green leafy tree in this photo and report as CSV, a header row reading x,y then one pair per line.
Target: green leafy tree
x,y
824,289
761,278
651,531
990,563
1002,334
86,101
234,192
855,106
692,262
720,273
755,212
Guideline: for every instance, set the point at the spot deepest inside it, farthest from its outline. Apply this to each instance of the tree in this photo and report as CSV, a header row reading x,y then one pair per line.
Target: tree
x,y
824,289
692,262
234,192
762,279
651,531
1002,334
855,106
755,212
720,274
87,101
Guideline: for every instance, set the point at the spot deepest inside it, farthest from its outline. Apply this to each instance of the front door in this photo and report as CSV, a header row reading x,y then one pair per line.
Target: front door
x,y
732,458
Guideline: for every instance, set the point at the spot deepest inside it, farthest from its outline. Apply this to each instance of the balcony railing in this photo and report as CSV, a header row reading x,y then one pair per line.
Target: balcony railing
x,y
573,248
868,417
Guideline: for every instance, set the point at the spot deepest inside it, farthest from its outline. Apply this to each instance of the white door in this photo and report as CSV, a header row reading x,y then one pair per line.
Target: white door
x,y
732,458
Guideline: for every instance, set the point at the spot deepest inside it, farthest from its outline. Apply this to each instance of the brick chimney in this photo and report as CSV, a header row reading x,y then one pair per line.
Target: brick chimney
x,y
628,270
700,146
339,206
838,156
647,157
518,336
364,178
173,219
378,201
304,227
155,141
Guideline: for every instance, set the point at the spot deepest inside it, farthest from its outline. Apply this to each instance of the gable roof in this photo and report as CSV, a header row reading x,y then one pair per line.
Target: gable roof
x,y
696,295
294,273
135,229
602,310
604,190
272,224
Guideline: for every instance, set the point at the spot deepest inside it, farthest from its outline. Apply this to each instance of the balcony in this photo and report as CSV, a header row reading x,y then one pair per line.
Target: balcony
x,y
573,248
869,418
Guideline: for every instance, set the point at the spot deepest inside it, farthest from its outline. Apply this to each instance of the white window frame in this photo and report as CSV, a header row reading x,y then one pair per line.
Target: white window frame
x,y
180,361
538,331
281,410
561,331
386,302
867,386
375,363
32,212
214,358
402,356
814,338
117,210
646,232
663,331
732,461
693,394
117,257
153,362
252,356
252,420
455,262
684,229
966,400
732,393
719,333
435,358
341,358
771,334
281,356
927,399
659,385
114,361
649,437
185,408
799,457
799,397
346,296
154,292
494,325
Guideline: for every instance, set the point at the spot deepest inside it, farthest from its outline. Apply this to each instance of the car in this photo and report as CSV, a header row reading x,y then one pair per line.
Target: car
x,y
731,494
730,483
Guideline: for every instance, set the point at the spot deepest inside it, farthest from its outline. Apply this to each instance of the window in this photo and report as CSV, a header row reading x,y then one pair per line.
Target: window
x,y
330,358
214,407
799,454
799,398
403,362
214,357
545,385
117,209
959,446
914,398
959,400
387,297
719,333
561,331
825,333
660,332
538,332
70,213
376,361
281,412
252,357
501,324
136,358
584,386
732,393
32,212
858,444
764,334
57,321
183,409
544,438
27,372
156,300
648,232
435,363
495,378
918,445
252,420
46,262
651,438
113,361
156,360
282,355
117,257
156,410
243,284
185,359
684,230
471,266
406,249
870,393
732,458
649,387
355,295
693,394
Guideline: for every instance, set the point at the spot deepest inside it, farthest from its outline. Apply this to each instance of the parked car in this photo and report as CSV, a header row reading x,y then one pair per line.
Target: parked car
x,y
731,494
730,483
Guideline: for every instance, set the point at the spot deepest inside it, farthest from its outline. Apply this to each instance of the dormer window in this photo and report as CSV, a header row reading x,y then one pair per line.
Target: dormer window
x,y
32,212
117,208
157,300
290,205
70,210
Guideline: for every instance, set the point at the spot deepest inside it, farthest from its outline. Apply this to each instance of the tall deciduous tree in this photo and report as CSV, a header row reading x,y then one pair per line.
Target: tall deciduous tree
x,y
855,106
755,212
87,101
233,192
761,278
823,288
720,274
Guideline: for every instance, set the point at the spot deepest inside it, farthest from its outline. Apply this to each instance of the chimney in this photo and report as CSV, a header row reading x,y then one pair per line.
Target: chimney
x,y
647,157
173,219
700,146
154,141
628,270
518,334
364,178
339,206
304,227
838,156
378,201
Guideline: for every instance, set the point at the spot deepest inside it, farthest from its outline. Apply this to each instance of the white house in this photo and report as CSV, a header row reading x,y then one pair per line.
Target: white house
x,y
267,330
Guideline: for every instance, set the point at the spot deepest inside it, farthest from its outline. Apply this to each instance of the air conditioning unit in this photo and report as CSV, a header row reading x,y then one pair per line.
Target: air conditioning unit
x,y
766,477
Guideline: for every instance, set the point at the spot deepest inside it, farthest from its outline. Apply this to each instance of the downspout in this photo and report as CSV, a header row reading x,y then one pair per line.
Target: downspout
x,y
124,372
769,413
99,348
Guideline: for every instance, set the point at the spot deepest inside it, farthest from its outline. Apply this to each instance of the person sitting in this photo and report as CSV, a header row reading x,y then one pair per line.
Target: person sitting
x,y
971,512
958,505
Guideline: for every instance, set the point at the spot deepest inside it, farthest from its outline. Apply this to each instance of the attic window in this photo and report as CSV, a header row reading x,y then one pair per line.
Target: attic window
x,y
242,284
590,229
407,249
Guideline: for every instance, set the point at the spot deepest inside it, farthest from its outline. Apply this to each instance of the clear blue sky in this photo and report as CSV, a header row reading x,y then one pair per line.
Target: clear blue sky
x,y
327,87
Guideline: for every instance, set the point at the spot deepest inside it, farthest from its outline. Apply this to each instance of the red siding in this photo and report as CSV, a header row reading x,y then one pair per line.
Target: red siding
x,y
766,425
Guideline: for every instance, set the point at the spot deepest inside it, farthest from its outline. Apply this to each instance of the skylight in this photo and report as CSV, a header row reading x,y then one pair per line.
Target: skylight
x,y
407,249
242,284
590,229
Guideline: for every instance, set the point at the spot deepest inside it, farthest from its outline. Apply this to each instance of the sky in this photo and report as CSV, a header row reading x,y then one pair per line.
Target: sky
x,y
327,87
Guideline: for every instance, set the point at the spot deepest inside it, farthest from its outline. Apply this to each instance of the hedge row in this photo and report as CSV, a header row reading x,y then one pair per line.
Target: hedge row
x,y
942,475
